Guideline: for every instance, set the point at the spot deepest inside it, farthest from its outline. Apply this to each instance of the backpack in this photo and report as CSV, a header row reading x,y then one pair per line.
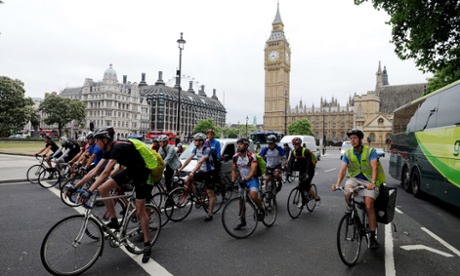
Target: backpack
x,y
313,158
215,161
153,161
385,204
261,165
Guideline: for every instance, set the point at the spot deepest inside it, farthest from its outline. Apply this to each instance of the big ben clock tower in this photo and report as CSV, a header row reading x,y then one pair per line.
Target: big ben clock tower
x,y
277,73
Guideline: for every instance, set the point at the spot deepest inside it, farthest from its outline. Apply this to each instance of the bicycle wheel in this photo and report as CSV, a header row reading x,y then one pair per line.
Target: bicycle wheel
x,y
181,204
68,200
293,202
290,177
159,200
270,208
49,178
228,188
235,212
217,203
348,240
132,229
311,202
33,172
70,249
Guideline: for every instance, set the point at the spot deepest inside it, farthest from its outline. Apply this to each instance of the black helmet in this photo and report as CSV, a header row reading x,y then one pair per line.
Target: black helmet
x,y
356,132
47,136
243,140
271,139
105,132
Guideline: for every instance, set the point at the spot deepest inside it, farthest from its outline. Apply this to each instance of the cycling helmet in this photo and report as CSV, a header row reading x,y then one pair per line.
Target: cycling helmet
x,y
199,136
210,131
243,140
179,145
356,132
105,132
163,138
271,139
81,139
63,140
136,136
296,140
90,135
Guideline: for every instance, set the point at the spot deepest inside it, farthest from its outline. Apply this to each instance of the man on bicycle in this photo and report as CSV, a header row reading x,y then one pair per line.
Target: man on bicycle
x,y
70,151
170,158
300,160
363,169
272,155
94,154
49,146
135,170
245,163
213,143
203,171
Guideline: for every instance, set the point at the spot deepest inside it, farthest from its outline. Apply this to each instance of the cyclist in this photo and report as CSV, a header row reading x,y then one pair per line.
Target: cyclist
x,y
286,149
49,146
272,155
155,144
170,158
300,160
180,149
212,143
135,170
70,151
81,142
203,171
245,163
363,169
258,147
94,154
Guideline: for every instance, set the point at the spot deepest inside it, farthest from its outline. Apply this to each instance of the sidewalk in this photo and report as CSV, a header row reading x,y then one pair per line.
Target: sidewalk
x,y
13,168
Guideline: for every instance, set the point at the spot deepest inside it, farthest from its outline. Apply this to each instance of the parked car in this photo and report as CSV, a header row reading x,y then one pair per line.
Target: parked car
x,y
16,136
345,146
380,152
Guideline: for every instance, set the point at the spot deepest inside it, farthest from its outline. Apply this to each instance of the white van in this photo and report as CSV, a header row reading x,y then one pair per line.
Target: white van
x,y
345,146
309,141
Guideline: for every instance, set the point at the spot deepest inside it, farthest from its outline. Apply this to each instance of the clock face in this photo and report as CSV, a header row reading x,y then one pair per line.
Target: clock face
x,y
273,56
287,56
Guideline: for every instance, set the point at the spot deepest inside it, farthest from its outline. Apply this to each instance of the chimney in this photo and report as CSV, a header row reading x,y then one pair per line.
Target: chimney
x,y
160,79
201,92
142,83
214,94
190,87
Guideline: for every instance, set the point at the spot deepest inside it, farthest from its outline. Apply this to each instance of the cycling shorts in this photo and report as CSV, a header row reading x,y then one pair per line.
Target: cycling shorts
x,y
271,171
139,180
369,193
209,178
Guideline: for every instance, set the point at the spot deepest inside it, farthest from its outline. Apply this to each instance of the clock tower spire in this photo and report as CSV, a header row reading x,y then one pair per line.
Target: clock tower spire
x,y
277,73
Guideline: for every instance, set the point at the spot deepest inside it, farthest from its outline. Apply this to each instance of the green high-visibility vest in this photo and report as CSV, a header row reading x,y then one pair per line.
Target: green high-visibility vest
x,y
355,167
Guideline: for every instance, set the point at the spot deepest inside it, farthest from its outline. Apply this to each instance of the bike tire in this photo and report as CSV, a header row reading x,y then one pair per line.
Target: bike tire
x,y
311,202
132,229
49,178
231,215
270,208
290,177
293,202
182,205
34,172
61,254
159,200
348,240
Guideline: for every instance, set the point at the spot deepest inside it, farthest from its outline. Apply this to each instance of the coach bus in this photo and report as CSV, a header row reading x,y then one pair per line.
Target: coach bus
x,y
261,136
425,145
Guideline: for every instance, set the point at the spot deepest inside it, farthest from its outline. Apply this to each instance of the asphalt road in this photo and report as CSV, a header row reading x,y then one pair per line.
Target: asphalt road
x,y
426,242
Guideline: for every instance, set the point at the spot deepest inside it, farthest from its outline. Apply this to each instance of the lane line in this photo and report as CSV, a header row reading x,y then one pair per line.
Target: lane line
x,y
399,211
152,267
390,269
450,247
330,170
424,247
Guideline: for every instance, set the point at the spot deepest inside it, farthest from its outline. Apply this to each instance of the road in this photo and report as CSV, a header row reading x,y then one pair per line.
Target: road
x,y
426,241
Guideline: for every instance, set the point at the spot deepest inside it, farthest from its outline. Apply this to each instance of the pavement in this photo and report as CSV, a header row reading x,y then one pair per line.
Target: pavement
x,y
13,167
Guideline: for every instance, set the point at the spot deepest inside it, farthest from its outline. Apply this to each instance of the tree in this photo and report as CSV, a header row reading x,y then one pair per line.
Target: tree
x,y
62,111
300,127
203,125
14,107
426,31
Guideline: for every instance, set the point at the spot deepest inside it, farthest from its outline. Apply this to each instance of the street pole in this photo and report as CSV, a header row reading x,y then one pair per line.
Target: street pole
x,y
247,118
285,112
181,43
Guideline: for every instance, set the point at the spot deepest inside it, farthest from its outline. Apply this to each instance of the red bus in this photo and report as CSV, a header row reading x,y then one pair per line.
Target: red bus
x,y
53,133
156,133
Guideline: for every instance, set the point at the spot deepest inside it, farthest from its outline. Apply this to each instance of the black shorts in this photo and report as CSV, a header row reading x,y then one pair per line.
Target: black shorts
x,y
306,184
209,178
271,171
138,178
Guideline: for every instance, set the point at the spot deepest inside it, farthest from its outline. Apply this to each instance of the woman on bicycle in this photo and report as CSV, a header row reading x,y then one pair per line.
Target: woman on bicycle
x,y
300,160
170,158
245,162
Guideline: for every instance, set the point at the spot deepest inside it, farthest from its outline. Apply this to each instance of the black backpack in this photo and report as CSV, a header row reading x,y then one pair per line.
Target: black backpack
x,y
215,161
385,204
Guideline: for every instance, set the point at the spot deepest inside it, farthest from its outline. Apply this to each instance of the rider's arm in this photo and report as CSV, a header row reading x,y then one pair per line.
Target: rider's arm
x,y
46,150
92,174
375,172
199,163
341,176
290,162
253,171
57,152
234,171
104,175
40,151
186,162
169,155
63,155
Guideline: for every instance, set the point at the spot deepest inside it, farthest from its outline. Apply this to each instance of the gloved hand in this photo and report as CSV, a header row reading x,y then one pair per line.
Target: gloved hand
x,y
304,177
85,195
71,190
37,155
242,182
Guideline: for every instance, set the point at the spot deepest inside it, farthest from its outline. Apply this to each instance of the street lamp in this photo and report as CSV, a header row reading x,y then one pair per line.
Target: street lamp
x,y
181,43
247,119
285,111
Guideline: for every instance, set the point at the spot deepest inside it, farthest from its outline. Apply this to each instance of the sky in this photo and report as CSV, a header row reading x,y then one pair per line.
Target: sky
x,y
336,47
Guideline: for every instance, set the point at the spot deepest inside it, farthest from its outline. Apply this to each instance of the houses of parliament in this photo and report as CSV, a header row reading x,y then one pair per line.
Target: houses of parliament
x,y
370,112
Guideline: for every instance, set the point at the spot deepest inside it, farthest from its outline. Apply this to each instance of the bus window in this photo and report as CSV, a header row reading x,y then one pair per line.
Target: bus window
x,y
448,107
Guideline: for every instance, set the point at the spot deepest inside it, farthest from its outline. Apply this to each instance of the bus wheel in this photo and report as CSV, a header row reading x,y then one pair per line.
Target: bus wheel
x,y
415,181
405,180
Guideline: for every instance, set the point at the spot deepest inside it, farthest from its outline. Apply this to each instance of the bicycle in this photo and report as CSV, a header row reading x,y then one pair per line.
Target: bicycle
x,y
75,243
352,228
290,177
294,202
35,170
226,187
50,177
182,199
242,208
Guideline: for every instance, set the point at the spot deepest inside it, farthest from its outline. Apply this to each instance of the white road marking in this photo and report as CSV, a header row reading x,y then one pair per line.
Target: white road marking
x,y
390,269
450,247
152,267
330,170
399,211
424,247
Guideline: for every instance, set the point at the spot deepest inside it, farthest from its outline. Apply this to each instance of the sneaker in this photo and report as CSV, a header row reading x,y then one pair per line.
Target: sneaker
x,y
301,205
147,252
240,225
208,217
317,201
260,215
374,243
113,225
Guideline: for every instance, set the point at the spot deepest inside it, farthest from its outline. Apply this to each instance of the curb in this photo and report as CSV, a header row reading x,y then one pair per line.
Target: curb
x,y
3,181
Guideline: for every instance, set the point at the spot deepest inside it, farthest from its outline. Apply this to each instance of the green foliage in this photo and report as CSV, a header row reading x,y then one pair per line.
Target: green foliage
x,y
230,132
442,78
300,127
62,111
203,125
15,109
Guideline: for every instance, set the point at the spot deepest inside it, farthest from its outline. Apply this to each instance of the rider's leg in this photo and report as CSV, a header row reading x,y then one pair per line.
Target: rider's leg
x,y
104,191
369,202
169,173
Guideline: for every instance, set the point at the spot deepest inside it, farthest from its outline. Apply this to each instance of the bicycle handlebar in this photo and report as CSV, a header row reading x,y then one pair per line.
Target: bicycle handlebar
x,y
79,192
359,187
